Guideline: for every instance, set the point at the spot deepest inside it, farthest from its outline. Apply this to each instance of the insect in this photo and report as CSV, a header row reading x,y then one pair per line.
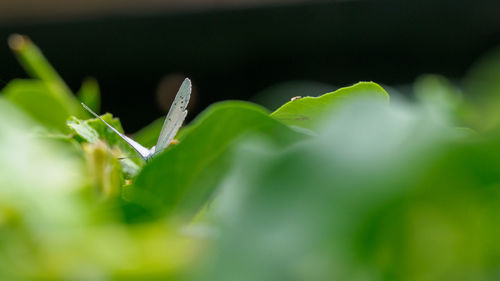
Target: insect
x,y
173,122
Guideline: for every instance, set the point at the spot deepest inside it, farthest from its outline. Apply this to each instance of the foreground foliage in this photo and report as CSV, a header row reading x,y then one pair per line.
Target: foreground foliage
x,y
346,186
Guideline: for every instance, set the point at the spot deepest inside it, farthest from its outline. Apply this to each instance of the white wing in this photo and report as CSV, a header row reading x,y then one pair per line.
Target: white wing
x,y
175,116
144,152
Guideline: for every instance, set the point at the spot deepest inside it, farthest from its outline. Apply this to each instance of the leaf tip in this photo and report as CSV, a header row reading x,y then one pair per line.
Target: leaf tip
x,y
17,42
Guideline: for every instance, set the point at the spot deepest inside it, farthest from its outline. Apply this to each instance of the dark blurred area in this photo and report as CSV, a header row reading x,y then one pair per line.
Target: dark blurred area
x,y
236,51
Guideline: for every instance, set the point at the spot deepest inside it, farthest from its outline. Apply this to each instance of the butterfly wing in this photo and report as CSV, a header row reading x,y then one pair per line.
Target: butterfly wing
x,y
144,152
175,116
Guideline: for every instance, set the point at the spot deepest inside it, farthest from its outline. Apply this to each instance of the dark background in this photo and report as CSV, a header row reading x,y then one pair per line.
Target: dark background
x,y
235,53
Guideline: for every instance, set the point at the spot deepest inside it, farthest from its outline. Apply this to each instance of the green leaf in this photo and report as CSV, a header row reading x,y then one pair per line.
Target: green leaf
x,y
105,172
38,176
439,97
38,100
309,112
83,129
90,95
185,175
482,85
48,223
33,61
94,129
438,90
382,193
47,99
38,67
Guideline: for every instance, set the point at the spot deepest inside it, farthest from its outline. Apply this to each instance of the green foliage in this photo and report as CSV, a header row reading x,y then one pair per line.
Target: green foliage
x,y
181,179
344,186
94,131
381,194
483,85
308,112
46,98
37,98
90,95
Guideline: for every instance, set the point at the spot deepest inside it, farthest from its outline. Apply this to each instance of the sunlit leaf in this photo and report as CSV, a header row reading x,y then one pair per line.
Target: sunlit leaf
x,y
308,112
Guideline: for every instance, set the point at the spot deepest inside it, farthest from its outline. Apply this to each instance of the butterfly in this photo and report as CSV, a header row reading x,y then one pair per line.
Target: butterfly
x,y
173,122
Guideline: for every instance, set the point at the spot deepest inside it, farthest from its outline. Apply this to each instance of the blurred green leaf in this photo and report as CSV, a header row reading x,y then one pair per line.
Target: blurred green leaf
x,y
361,202
36,98
49,231
182,178
34,62
436,89
129,168
48,99
104,169
482,80
308,112
482,85
90,95
39,181
440,97
36,65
